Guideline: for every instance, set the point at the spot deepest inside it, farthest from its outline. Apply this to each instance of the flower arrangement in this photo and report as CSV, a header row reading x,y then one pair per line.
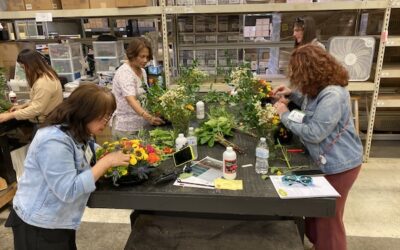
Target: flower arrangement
x,y
177,107
143,158
254,95
267,115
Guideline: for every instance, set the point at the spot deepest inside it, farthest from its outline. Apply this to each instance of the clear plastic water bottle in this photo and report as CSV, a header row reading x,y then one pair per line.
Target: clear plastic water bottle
x,y
262,154
192,141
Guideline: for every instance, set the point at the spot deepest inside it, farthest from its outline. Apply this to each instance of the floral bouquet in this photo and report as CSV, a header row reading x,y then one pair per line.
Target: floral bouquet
x,y
177,108
177,105
144,158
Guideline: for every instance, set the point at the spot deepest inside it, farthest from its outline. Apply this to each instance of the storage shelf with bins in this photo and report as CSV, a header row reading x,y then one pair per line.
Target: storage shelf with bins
x,y
66,59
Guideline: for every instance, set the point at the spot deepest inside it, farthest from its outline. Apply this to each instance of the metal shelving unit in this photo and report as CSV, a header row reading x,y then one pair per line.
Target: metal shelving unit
x,y
163,11
383,71
275,7
105,12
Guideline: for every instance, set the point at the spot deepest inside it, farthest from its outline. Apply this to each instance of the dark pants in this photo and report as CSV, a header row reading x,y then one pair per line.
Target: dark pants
x,y
28,237
329,233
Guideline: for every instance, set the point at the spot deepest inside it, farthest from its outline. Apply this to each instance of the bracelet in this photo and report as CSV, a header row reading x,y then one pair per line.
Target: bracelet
x,y
144,111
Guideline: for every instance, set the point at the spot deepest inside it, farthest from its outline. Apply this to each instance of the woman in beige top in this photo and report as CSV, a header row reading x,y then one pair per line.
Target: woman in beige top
x,y
46,89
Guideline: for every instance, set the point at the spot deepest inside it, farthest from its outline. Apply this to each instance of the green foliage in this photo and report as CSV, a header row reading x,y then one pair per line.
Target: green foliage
x,y
152,101
190,78
220,124
216,97
162,137
4,103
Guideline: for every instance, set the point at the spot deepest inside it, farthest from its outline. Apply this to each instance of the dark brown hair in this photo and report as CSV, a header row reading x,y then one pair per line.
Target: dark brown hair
x,y
311,69
35,66
307,24
136,45
85,104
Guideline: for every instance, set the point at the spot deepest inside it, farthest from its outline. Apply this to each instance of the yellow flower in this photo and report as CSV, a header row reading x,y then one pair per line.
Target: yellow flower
x,y
133,160
139,153
189,107
135,143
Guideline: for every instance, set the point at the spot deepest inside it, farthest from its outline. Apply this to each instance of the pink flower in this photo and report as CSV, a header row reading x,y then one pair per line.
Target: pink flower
x,y
150,149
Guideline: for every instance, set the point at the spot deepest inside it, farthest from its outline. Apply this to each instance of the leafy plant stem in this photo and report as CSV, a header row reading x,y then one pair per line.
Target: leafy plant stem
x,y
285,154
220,139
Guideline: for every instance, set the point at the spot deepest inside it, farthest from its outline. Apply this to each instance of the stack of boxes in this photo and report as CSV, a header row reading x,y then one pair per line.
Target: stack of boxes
x,y
20,5
203,2
66,59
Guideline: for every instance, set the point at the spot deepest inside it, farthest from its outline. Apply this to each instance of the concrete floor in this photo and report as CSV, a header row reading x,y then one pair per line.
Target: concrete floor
x,y
372,215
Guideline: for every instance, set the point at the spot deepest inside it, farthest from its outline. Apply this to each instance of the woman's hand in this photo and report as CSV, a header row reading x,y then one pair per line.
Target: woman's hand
x,y
153,120
281,91
281,107
116,159
17,107
110,160
156,121
6,116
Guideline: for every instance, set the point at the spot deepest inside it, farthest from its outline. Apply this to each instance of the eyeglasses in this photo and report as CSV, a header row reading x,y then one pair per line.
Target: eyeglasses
x,y
107,118
292,179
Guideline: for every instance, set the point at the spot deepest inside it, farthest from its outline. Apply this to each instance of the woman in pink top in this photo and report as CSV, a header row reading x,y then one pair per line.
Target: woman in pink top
x,y
128,84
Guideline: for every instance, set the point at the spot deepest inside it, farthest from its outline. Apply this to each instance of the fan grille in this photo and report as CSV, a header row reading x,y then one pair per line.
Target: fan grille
x,y
355,54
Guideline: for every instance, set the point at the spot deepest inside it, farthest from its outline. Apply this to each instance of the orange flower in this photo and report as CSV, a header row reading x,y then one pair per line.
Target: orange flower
x,y
153,158
168,150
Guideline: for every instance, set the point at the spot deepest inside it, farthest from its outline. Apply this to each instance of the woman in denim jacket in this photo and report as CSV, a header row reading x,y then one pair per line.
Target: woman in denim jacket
x,y
61,171
326,128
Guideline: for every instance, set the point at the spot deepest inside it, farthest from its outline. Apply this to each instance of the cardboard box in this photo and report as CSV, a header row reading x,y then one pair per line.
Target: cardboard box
x,y
133,3
15,5
42,4
102,4
8,55
75,4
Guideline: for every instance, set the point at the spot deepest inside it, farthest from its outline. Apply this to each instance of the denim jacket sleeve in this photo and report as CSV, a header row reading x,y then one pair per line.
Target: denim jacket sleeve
x,y
64,168
319,121
297,98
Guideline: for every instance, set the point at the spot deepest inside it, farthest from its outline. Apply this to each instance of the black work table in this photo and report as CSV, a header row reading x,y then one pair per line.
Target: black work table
x,y
258,196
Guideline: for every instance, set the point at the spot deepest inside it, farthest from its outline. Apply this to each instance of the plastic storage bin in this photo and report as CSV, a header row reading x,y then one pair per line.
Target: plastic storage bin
x,y
66,65
66,59
107,64
113,49
65,50
71,77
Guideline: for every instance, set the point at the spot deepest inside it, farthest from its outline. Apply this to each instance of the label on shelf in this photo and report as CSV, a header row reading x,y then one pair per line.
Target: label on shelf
x,y
384,36
44,17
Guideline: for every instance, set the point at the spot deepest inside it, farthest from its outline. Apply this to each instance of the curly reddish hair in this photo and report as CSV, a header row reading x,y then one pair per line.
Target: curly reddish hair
x,y
311,69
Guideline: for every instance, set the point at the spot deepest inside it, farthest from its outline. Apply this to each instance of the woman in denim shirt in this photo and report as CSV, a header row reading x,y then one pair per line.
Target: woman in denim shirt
x,y
61,171
327,131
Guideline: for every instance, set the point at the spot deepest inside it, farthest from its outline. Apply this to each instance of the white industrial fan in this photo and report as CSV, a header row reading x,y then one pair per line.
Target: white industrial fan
x,y
355,53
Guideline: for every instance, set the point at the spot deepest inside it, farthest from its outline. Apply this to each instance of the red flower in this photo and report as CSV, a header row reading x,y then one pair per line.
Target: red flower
x,y
150,149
